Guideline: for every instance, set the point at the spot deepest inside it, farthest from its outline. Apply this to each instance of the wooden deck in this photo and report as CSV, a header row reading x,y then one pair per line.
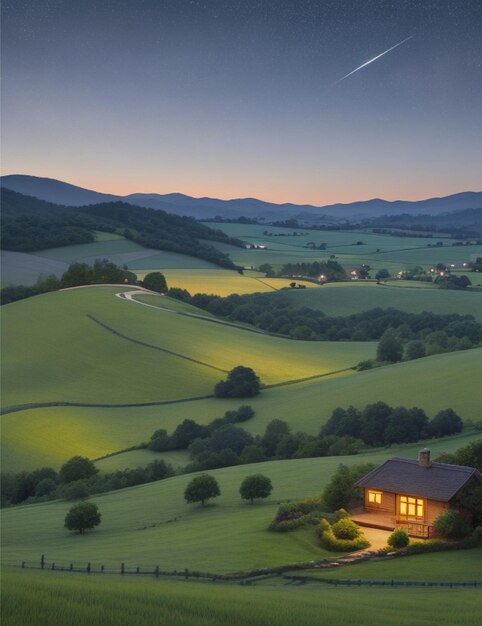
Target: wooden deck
x,y
385,521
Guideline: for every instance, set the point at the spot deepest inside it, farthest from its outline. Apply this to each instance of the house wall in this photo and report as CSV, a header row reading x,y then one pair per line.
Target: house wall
x,y
432,508
387,505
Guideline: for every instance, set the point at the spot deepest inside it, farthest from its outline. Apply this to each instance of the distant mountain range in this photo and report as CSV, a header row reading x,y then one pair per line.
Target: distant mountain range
x,y
59,192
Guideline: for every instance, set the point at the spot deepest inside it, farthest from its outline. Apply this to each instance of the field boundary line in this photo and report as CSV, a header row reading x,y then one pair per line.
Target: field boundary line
x,y
153,347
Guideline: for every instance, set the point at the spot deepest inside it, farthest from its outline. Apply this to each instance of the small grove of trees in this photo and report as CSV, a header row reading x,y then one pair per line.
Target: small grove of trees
x,y
202,488
82,517
188,430
101,272
255,486
44,484
241,382
380,424
155,281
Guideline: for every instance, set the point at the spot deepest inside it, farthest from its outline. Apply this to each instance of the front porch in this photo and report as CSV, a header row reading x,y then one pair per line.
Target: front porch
x,y
385,521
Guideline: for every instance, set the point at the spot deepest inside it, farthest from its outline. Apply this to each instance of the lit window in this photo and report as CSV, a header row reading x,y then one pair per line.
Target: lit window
x,y
411,507
375,497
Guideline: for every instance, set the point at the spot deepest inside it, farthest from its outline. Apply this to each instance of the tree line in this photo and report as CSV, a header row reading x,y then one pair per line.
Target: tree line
x,y
101,272
275,313
30,224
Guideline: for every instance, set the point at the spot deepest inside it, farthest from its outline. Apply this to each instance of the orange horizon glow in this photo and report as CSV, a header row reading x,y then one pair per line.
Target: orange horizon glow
x,y
222,192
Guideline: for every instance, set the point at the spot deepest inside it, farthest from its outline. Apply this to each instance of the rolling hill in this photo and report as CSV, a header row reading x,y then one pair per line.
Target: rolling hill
x,y
51,354
60,192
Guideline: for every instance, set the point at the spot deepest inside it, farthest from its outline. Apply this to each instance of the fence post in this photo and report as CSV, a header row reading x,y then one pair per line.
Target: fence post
x,y
53,565
186,574
71,567
138,570
123,568
102,569
87,569
156,571
23,564
42,561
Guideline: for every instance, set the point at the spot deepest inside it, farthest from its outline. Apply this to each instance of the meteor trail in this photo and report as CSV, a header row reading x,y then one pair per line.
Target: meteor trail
x,y
372,60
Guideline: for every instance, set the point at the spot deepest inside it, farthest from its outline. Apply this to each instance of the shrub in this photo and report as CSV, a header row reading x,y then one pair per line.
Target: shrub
x,y
451,523
398,539
330,541
345,528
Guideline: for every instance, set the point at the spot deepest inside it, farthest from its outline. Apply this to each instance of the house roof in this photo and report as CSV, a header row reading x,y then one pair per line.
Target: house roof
x,y
440,481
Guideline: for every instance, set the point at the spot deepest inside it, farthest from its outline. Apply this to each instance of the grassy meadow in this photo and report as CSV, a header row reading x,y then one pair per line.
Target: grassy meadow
x,y
151,524
53,599
52,348
337,299
30,438
377,250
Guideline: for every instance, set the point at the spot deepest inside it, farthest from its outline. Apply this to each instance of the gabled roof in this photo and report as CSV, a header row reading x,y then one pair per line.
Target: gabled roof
x,y
440,481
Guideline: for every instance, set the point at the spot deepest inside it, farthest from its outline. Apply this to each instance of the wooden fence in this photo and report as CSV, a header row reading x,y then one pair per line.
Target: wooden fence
x,y
243,579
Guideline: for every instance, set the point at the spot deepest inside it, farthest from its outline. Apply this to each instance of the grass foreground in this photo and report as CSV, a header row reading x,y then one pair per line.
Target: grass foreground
x,y
48,599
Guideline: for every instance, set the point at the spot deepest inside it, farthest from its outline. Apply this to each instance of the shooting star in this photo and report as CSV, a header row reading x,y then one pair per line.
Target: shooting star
x,y
372,60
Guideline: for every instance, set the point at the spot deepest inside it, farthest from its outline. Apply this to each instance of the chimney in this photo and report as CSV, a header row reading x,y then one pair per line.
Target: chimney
x,y
424,458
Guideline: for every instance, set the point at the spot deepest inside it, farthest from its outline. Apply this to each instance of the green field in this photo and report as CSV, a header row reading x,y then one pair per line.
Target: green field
x,y
51,351
460,566
19,268
31,438
378,251
51,599
338,299
221,282
151,524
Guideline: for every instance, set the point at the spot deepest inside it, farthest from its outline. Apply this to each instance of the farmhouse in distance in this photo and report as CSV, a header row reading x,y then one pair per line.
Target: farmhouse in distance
x,y
411,493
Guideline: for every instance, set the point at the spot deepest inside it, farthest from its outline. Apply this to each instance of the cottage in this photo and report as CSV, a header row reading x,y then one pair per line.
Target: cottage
x,y
412,493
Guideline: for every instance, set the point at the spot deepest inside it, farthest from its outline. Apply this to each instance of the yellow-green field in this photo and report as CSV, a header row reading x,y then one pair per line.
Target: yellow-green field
x,y
53,351
31,438
221,282
49,598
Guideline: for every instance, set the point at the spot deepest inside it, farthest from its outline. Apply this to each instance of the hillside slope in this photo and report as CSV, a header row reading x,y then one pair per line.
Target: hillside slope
x,y
64,193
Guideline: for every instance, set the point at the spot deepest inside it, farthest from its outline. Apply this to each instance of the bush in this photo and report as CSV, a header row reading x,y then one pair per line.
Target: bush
x,y
292,515
398,539
330,541
451,523
345,528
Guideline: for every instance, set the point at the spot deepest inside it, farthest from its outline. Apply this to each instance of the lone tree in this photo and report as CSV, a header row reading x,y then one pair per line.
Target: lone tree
x,y
242,382
390,348
77,468
202,488
155,281
255,486
82,517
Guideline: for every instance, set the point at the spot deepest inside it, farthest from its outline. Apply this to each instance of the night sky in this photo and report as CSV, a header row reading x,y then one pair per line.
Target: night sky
x,y
232,98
